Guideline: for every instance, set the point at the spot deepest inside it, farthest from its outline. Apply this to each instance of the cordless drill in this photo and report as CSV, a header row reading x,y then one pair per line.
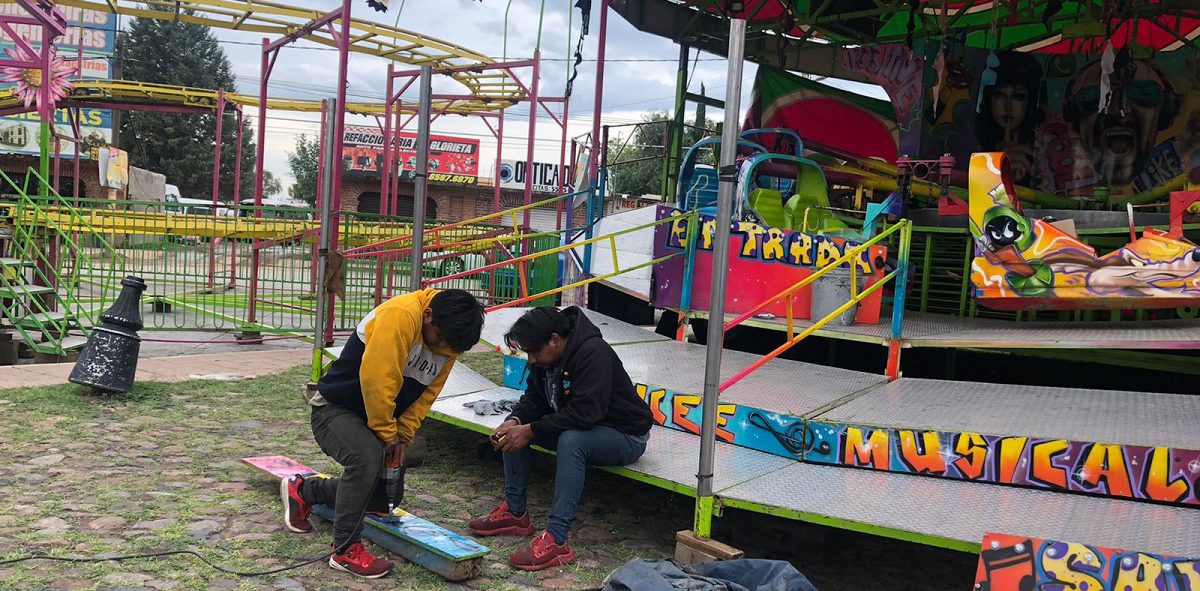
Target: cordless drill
x,y
393,479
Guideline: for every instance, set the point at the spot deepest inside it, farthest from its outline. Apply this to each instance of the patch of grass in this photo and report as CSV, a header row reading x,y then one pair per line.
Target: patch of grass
x,y
489,364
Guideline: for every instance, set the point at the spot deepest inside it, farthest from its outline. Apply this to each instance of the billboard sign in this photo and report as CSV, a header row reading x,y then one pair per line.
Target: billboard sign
x,y
545,175
452,160
94,33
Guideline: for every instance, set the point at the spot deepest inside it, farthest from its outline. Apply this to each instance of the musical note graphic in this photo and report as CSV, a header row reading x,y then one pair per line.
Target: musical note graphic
x,y
796,438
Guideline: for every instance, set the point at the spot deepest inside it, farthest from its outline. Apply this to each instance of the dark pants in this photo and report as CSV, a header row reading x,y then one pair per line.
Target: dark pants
x,y
345,437
577,449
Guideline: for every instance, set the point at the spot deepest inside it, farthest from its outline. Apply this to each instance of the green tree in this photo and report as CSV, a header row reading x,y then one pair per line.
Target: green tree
x,y
181,146
303,163
271,185
635,163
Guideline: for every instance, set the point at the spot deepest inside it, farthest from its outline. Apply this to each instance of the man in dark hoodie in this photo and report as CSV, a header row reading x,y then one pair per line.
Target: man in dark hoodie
x,y
579,402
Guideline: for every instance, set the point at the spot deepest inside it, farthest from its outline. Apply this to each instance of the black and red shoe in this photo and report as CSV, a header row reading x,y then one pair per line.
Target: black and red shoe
x,y
542,553
501,522
295,510
357,561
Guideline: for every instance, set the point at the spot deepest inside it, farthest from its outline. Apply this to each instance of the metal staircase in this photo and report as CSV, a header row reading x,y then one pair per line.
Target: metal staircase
x,y
51,280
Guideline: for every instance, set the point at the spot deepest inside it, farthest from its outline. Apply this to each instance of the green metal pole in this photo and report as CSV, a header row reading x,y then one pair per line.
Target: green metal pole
x,y
675,145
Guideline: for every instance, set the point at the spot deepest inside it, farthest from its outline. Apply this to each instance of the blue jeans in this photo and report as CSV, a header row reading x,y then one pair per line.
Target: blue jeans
x,y
577,449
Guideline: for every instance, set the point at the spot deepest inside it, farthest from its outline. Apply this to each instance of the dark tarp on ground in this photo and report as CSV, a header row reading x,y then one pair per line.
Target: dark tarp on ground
x,y
726,575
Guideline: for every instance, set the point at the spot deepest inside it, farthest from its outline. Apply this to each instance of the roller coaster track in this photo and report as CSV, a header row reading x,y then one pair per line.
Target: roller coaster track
x,y
117,93
493,89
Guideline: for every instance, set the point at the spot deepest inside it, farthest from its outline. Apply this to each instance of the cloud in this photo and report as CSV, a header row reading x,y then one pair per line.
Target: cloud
x,y
640,76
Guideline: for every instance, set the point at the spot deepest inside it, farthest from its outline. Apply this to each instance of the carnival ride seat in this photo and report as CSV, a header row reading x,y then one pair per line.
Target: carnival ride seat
x,y
768,204
701,191
1030,264
808,210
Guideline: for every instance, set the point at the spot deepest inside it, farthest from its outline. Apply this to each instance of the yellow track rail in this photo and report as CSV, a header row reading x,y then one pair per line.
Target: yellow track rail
x,y
494,89
99,92
142,223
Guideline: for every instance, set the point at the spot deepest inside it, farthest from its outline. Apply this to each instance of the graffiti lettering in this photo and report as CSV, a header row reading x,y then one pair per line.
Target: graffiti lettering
x,y
1044,470
1071,566
681,406
1018,563
751,235
922,455
1105,463
654,399
770,244
972,451
872,452
799,249
1160,473
1157,483
894,67
724,413
1009,457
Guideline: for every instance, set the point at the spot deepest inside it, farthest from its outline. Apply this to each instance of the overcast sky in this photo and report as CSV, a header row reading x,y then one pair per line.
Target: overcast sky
x,y
639,76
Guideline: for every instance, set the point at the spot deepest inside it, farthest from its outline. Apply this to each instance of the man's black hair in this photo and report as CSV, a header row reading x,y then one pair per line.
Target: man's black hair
x,y
533,329
459,317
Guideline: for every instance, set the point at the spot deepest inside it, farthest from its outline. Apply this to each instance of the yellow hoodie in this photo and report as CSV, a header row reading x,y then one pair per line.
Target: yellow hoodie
x,y
386,371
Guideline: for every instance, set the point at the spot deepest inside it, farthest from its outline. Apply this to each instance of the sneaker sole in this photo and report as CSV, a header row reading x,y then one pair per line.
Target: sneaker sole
x,y
511,530
287,508
559,561
335,566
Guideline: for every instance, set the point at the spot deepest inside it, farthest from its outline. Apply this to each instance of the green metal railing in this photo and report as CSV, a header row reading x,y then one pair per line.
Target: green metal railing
x,y
60,276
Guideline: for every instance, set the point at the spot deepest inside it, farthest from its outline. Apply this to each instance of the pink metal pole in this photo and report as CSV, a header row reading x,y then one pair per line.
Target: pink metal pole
x,y
499,153
339,122
385,172
533,109
385,205
562,168
237,198
261,133
594,156
216,190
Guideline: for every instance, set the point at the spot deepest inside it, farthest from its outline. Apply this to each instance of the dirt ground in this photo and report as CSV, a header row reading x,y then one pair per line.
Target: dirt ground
x,y
159,469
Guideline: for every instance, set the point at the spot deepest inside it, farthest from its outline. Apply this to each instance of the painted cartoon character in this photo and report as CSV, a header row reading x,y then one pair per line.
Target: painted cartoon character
x,y
1028,264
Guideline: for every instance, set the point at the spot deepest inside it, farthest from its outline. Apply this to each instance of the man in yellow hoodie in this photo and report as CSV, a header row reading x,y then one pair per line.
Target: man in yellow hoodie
x,y
369,406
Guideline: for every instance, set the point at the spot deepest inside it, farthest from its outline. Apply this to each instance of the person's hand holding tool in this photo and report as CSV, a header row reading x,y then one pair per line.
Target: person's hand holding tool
x,y
514,438
501,432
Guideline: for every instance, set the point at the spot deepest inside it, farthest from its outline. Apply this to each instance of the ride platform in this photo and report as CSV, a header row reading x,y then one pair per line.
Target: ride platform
x,y
764,467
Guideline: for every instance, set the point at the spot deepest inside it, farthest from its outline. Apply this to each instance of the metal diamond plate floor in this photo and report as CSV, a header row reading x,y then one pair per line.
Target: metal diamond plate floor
x,y
633,248
964,511
1133,418
942,331
781,385
464,380
452,407
615,331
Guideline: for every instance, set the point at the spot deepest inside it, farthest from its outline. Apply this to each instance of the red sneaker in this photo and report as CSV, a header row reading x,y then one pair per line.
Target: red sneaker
x,y
501,522
357,561
542,553
295,510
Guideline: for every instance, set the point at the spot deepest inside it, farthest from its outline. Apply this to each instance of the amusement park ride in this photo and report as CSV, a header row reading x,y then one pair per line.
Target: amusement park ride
x,y
932,252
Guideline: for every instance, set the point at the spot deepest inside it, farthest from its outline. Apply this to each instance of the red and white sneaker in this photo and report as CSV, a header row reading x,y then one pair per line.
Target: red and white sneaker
x,y
357,561
501,522
542,553
295,510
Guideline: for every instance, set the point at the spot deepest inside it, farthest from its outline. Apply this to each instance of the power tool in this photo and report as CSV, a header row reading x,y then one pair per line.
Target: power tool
x,y
393,479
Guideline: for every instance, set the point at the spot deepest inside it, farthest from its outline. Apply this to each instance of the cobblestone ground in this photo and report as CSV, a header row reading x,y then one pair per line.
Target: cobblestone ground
x,y
159,469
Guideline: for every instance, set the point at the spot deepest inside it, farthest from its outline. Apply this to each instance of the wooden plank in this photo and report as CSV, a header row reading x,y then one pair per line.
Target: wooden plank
x,y
418,540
